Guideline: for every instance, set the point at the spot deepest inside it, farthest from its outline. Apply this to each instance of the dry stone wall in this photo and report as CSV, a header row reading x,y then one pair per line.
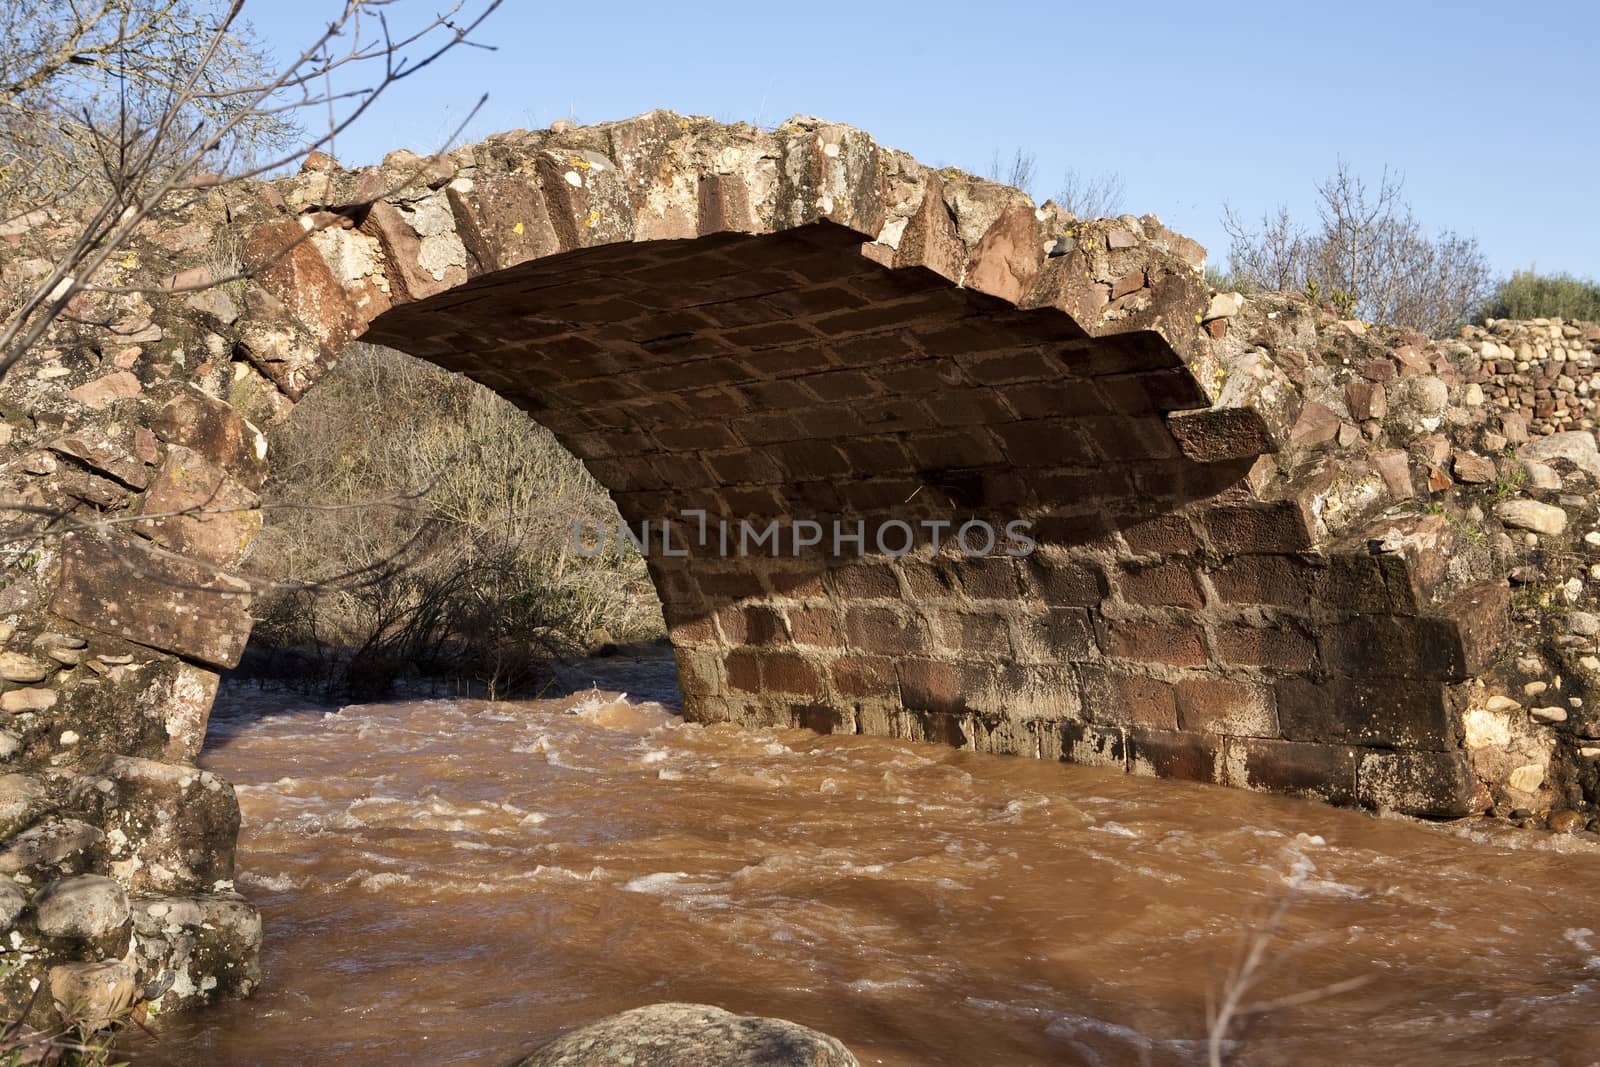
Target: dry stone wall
x,y
1273,549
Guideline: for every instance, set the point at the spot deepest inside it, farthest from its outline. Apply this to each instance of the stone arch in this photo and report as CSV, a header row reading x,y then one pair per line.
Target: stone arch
x,y
797,324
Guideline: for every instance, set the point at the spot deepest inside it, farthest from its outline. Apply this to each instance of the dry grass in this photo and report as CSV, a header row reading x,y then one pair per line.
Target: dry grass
x,y
462,535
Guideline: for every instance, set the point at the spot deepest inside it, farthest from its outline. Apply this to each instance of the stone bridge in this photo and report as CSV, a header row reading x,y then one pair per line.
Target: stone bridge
x,y
796,325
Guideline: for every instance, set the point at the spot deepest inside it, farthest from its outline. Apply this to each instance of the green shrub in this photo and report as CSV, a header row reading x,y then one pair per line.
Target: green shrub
x,y
1527,295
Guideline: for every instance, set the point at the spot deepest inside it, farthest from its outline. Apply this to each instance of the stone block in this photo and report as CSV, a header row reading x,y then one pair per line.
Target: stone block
x,y
197,509
171,828
1324,771
117,586
1280,581
1169,643
1284,647
1358,710
1224,706
1170,583
1112,696
1278,528
1191,757
1092,744
884,630
1430,784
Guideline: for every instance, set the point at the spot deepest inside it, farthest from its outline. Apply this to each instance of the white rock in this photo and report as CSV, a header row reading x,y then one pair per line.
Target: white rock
x,y
1485,729
1429,395
15,667
18,701
1541,475
1527,778
1575,446
86,906
1549,714
1531,515
12,902
1225,306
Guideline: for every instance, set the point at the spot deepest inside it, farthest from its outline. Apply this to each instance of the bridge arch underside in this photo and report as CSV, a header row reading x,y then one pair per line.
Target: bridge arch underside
x,y
1168,621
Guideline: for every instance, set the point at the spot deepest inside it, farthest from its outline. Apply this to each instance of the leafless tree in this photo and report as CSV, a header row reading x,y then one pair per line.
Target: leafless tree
x,y
1370,256
1279,255
1097,196
1018,171
159,101
73,70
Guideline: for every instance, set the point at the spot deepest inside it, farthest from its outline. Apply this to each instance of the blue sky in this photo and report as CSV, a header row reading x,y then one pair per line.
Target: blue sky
x,y
1488,110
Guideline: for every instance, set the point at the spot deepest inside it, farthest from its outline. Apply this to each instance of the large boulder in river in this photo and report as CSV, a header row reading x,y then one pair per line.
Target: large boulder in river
x,y
692,1035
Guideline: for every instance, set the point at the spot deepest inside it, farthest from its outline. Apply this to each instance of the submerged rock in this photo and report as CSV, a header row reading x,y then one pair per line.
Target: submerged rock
x,y
692,1035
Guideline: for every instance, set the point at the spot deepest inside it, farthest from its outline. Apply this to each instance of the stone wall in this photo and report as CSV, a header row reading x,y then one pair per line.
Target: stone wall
x,y
1547,370
1273,548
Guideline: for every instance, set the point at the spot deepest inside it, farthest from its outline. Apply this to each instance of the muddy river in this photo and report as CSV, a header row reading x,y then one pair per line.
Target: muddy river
x,y
453,880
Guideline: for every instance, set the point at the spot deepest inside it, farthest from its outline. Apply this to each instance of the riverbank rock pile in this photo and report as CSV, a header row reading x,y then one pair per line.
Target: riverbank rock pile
x,y
1275,550
1457,454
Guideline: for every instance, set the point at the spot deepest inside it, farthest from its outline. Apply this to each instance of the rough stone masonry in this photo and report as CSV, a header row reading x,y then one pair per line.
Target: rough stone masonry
x,y
1275,550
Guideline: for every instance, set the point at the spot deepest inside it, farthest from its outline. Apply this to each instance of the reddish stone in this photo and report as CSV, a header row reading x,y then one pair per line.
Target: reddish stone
x,y
1173,644
1070,583
95,450
1171,754
929,239
283,260
1006,259
1219,705
1283,581
788,672
1112,696
120,587
863,676
1280,648
814,626
1473,469
932,685
885,630
1166,535
1366,400
197,509
1064,634
1167,584
107,390
754,625
1280,527
744,671
1318,424
1394,467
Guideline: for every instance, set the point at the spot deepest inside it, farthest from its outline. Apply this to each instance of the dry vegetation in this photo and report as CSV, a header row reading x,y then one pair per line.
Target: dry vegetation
x,y
1367,254
454,511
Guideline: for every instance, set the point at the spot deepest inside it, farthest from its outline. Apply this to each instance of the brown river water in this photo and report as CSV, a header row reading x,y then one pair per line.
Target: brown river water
x,y
453,881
